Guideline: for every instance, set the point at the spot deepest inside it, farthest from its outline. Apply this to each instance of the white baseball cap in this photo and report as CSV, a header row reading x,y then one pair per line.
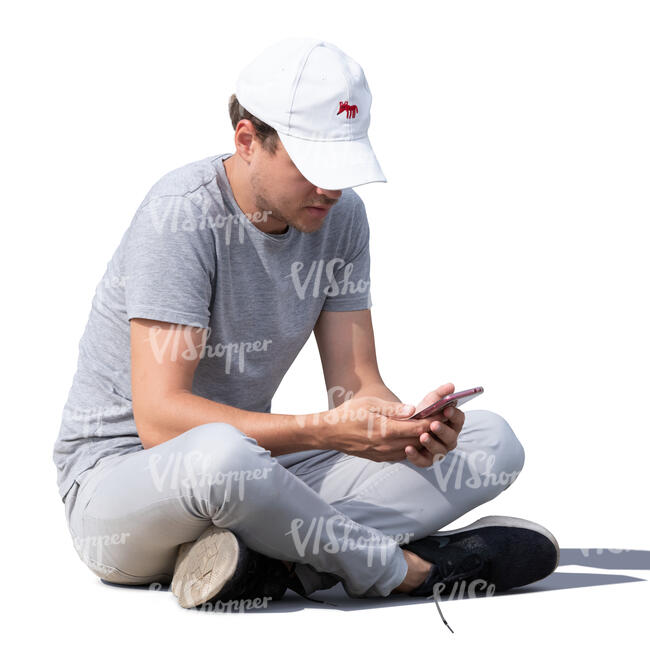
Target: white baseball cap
x,y
317,99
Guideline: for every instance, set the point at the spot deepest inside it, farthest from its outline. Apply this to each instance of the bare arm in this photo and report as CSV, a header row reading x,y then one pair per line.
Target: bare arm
x,y
346,343
164,357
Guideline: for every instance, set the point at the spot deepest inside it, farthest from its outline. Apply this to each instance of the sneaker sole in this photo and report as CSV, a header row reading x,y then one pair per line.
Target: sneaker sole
x,y
204,566
512,522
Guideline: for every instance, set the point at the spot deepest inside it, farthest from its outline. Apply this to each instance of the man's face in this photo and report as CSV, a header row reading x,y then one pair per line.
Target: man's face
x,y
278,186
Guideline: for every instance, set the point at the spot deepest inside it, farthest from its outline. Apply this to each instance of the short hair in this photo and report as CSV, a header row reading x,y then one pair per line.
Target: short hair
x,y
266,134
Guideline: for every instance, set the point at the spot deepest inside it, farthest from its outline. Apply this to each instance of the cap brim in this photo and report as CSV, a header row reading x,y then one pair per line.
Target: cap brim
x,y
334,165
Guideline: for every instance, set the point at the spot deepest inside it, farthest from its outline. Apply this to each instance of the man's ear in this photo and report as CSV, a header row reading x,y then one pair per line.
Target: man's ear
x,y
244,139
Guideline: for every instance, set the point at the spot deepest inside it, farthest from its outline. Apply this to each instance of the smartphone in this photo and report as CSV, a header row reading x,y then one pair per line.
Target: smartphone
x,y
455,399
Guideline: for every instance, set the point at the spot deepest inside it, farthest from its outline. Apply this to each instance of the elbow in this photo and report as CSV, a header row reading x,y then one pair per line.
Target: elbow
x,y
158,420
148,425
146,432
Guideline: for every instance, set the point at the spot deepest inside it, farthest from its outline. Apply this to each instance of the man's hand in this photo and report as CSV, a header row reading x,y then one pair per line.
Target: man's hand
x,y
435,395
442,430
370,427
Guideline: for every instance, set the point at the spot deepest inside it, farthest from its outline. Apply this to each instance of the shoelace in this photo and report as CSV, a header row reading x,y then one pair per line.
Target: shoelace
x,y
444,620
448,574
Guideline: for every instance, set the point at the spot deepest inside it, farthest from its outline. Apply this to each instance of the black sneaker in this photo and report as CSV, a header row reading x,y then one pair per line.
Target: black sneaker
x,y
504,552
218,566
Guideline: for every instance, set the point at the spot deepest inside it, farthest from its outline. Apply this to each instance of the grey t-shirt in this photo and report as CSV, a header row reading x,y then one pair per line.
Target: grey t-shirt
x,y
190,256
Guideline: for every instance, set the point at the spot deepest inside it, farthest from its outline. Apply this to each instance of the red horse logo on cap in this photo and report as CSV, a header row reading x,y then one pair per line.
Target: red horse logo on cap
x,y
350,111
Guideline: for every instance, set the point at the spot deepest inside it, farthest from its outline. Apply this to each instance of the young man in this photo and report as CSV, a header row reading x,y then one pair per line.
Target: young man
x,y
170,463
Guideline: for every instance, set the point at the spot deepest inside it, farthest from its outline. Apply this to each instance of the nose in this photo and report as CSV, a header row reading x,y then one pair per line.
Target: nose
x,y
331,194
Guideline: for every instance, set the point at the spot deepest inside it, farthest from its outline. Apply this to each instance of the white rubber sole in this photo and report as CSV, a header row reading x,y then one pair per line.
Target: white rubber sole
x,y
514,522
204,566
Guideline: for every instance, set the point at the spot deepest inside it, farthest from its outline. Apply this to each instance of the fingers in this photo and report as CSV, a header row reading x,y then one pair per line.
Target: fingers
x,y
430,454
443,434
409,428
445,425
419,457
447,430
440,441
437,444
456,418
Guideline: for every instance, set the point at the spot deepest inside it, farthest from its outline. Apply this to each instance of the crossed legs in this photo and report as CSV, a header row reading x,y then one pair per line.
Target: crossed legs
x,y
337,516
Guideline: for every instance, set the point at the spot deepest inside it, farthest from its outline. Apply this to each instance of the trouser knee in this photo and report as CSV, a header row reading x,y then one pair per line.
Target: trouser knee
x,y
492,451
215,465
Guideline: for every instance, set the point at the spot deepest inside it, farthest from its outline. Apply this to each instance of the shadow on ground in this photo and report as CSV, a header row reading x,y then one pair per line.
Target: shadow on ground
x,y
337,599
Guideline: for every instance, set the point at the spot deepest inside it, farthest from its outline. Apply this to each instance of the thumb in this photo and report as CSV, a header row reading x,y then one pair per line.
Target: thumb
x,y
445,389
435,395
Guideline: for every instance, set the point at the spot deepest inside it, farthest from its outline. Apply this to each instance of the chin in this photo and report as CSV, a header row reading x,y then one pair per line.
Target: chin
x,y
312,229
303,227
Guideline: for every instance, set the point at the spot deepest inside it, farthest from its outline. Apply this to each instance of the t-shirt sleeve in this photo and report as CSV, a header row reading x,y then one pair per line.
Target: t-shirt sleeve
x,y
349,289
169,263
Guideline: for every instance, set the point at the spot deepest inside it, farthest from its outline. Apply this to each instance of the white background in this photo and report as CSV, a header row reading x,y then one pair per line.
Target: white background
x,y
509,250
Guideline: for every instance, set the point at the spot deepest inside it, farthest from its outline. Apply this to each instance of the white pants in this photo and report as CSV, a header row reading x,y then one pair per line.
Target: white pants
x,y
340,517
